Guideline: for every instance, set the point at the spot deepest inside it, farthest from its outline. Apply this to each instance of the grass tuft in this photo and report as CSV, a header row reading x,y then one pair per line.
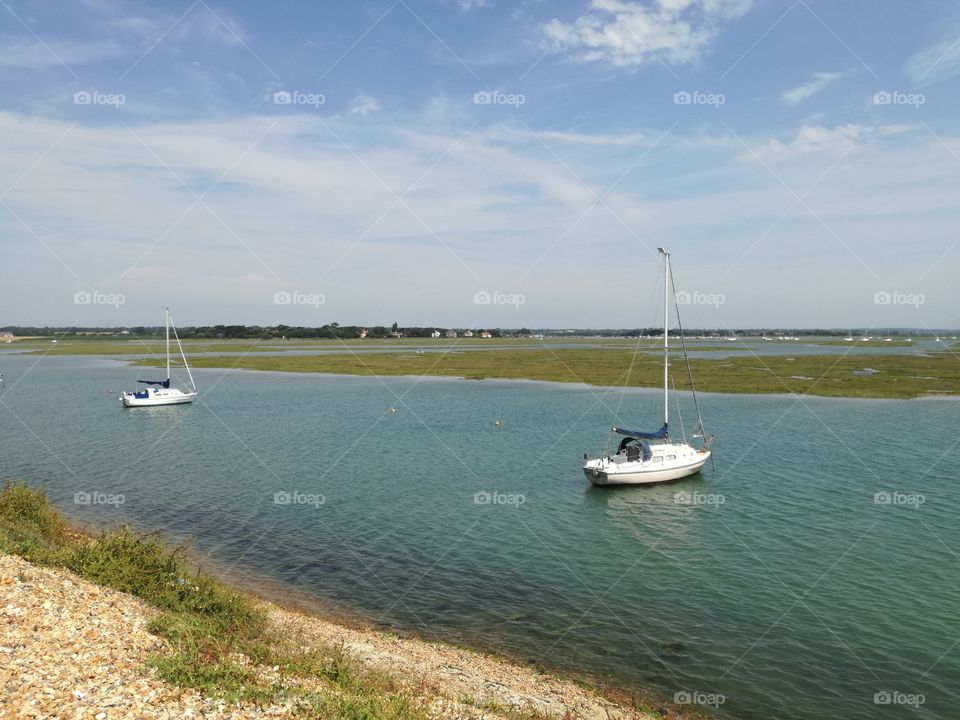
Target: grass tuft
x,y
220,641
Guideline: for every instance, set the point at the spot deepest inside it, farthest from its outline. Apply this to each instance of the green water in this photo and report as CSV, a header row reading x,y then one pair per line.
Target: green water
x,y
792,591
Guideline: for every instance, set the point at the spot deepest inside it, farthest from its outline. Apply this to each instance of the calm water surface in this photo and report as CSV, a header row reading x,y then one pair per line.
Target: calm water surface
x,y
785,586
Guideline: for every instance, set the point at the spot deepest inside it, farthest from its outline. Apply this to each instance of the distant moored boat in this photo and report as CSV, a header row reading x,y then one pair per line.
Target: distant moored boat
x,y
159,392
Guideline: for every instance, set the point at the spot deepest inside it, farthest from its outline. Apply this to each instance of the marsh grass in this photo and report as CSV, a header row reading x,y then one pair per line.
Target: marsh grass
x,y
899,375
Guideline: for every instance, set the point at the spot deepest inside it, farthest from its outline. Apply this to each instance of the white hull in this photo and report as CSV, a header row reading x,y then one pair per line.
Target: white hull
x,y
617,470
157,397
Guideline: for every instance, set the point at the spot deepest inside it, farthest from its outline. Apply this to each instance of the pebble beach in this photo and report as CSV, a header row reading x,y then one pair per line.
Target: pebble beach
x,y
72,649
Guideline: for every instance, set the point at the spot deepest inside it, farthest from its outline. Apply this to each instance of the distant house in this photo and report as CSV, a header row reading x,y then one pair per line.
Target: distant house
x,y
396,334
124,332
485,334
363,333
6,334
451,333
468,333
435,334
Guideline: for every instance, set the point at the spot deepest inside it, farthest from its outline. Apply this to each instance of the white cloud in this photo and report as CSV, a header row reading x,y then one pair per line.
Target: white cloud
x,y
497,201
363,105
836,140
467,5
820,80
936,63
625,33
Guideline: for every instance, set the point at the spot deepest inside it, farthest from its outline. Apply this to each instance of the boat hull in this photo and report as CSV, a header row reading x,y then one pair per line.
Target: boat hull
x,y
156,399
603,471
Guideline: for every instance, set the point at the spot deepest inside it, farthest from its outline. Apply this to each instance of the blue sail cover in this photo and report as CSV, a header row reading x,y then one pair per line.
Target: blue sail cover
x,y
165,383
660,434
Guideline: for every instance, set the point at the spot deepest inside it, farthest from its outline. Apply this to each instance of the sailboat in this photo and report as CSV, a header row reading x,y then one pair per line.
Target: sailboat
x,y
639,461
159,392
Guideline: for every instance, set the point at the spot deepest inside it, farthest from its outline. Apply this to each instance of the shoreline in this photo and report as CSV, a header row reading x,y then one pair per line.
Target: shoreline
x,y
879,376
557,384
50,612
464,683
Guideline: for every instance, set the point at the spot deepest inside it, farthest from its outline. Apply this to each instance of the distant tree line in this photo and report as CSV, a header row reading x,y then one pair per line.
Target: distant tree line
x,y
351,332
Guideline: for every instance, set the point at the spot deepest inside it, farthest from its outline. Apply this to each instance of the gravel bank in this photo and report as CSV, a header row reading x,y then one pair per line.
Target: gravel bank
x,y
72,649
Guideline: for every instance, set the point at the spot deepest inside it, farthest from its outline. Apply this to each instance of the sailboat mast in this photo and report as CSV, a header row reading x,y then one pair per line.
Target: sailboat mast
x,y
666,333
166,322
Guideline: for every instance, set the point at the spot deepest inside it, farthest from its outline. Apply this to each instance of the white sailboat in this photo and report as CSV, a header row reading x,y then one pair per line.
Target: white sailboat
x,y
159,392
639,461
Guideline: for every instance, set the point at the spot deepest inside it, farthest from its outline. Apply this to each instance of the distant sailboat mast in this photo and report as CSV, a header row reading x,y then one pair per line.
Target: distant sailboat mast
x,y
166,321
666,334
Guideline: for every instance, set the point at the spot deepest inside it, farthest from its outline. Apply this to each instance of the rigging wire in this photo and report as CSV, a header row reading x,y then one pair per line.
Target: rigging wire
x,y
707,439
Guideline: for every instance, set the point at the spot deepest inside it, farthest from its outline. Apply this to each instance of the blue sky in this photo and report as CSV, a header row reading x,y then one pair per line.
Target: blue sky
x,y
387,161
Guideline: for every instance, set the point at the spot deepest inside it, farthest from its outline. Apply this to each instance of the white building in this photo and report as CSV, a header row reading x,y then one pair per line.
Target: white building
x,y
435,334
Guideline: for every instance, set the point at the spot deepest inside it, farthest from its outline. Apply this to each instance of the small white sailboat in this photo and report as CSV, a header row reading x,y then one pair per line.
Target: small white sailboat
x,y
159,392
638,461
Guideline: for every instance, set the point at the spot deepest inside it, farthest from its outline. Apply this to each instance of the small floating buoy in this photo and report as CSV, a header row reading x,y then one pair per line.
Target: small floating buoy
x,y
393,410
497,423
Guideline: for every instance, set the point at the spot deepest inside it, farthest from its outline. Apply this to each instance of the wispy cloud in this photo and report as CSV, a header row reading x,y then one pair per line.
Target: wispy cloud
x,y
467,5
934,64
30,54
818,82
836,140
363,105
626,33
